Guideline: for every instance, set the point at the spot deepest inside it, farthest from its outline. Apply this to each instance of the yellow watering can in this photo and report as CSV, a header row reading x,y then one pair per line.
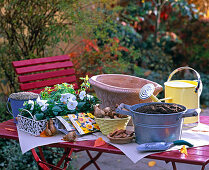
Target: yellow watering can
x,y
186,93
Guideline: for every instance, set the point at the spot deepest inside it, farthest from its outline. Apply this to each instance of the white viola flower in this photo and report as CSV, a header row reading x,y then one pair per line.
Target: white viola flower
x,y
31,102
44,107
71,104
89,97
65,97
73,97
41,102
82,95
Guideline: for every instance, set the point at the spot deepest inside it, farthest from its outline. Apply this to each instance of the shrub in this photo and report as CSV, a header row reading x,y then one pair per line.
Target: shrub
x,y
31,29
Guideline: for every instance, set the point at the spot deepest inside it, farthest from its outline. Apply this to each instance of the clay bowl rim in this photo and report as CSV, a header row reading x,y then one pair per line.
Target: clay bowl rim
x,y
94,79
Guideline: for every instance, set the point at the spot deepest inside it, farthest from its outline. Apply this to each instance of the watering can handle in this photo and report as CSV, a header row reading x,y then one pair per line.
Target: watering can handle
x,y
199,82
124,112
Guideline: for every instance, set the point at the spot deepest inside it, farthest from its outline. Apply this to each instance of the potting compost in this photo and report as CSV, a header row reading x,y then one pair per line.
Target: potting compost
x,y
160,109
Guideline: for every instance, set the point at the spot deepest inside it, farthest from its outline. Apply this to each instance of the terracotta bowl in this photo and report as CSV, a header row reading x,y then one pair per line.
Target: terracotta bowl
x,y
114,89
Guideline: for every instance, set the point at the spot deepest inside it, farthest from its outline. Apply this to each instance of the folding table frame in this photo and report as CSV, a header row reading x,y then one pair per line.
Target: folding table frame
x,y
196,155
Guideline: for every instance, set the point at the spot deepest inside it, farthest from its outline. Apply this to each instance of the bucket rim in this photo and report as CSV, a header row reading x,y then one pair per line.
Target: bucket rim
x,y
152,114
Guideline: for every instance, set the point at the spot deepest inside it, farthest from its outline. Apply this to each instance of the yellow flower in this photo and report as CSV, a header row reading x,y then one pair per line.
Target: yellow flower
x,y
74,116
87,78
90,115
143,1
89,126
184,150
85,130
96,126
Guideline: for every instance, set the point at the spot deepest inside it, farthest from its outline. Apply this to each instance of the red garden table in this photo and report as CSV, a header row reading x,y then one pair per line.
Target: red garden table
x,y
196,155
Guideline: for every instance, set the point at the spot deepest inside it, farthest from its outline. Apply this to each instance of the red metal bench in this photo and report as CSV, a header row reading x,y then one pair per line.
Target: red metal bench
x,y
35,74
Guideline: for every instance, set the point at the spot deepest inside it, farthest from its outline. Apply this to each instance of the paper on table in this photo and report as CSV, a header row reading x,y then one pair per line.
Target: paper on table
x,y
128,149
198,136
28,142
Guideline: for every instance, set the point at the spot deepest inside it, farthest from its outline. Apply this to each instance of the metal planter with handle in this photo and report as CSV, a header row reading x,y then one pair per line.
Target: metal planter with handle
x,y
156,127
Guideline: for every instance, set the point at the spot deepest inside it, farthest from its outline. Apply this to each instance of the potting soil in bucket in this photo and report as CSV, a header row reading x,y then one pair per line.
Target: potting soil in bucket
x,y
158,122
159,109
16,101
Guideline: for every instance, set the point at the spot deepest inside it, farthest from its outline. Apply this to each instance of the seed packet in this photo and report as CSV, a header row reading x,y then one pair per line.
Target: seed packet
x,y
64,124
84,123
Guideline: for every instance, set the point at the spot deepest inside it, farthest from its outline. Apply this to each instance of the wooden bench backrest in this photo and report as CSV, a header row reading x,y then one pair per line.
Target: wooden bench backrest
x,y
35,74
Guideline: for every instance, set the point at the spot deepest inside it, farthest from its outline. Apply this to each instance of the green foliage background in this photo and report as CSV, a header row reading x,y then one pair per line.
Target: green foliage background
x,y
38,28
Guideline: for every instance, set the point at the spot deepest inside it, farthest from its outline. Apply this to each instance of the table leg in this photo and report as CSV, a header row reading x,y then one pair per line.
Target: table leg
x,y
174,165
46,166
92,160
66,157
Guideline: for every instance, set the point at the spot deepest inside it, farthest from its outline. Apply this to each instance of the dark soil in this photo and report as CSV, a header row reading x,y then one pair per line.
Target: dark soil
x,y
160,109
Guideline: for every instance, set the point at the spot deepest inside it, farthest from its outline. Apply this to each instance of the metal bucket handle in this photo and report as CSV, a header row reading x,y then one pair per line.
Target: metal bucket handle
x,y
29,113
124,106
199,82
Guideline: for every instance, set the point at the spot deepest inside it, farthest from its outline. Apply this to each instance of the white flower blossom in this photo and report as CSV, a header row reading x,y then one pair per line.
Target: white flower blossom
x,y
82,95
71,104
42,104
65,97
31,102
73,97
89,96
44,107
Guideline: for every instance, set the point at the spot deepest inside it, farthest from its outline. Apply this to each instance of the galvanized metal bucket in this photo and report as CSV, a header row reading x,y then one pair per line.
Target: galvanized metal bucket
x,y
156,127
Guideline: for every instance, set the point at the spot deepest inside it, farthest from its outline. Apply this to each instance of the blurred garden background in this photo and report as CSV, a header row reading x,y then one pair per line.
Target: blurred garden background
x,y
144,38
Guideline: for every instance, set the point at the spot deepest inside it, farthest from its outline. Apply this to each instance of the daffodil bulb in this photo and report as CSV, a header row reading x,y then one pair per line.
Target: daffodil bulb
x,y
31,102
71,104
82,95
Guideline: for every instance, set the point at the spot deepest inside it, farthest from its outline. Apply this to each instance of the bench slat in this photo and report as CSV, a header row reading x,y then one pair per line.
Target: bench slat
x,y
36,68
39,90
51,82
46,75
40,61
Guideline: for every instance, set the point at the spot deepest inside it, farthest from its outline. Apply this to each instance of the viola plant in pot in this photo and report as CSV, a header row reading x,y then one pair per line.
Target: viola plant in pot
x,y
59,100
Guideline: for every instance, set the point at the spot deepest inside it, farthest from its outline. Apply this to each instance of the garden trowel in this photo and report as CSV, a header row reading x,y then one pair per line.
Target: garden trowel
x,y
161,146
